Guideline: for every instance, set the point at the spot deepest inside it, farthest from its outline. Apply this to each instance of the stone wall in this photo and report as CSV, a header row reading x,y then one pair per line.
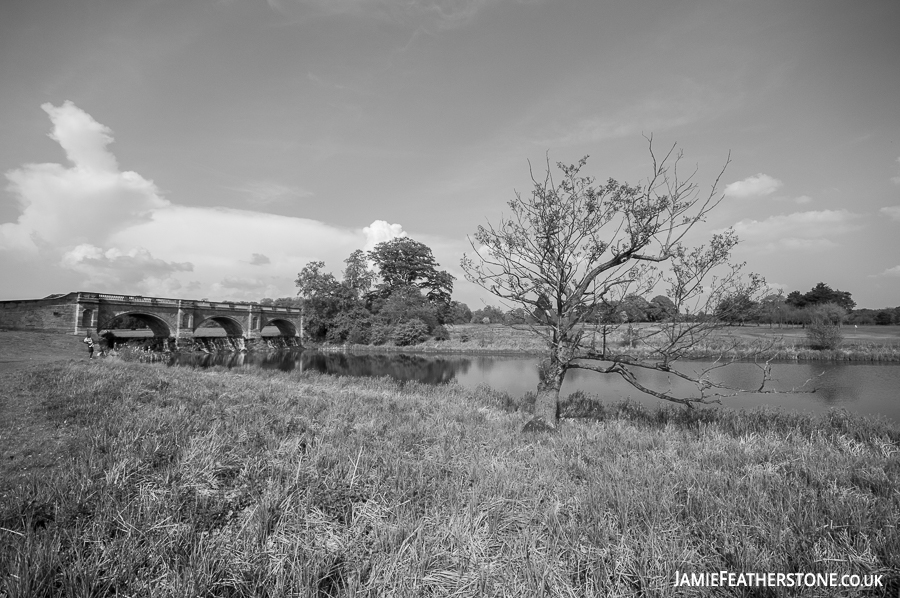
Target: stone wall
x,y
50,315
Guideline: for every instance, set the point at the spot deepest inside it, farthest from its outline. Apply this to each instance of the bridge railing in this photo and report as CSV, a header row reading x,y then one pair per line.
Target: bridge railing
x,y
190,303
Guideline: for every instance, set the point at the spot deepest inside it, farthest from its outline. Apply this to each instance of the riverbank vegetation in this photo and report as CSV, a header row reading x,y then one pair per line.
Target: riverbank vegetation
x,y
727,343
173,482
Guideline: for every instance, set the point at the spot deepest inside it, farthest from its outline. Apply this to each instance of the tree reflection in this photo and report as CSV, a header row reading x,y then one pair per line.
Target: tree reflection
x,y
426,370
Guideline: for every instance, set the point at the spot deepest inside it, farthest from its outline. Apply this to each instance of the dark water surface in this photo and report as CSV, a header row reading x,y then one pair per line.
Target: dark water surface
x,y
864,388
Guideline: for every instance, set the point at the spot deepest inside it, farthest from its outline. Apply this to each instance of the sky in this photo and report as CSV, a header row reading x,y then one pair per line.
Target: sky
x,y
211,148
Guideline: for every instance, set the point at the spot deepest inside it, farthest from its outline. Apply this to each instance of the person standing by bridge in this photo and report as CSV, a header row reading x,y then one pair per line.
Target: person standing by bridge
x,y
90,345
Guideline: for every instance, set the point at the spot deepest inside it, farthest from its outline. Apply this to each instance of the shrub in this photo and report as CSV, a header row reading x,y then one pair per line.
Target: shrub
x,y
409,333
824,335
358,336
380,334
441,333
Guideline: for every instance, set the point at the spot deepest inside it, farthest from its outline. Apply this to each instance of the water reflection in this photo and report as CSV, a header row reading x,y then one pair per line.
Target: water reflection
x,y
427,370
869,389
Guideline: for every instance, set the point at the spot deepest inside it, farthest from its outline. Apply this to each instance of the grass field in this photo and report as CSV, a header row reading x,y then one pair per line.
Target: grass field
x,y
151,481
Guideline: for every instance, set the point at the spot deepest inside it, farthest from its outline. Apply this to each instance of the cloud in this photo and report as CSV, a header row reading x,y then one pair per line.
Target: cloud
x,y
803,199
895,271
69,206
892,211
753,186
135,269
83,138
895,180
800,231
379,232
92,225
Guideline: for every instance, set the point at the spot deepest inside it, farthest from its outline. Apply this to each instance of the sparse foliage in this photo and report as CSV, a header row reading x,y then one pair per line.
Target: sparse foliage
x,y
572,249
824,335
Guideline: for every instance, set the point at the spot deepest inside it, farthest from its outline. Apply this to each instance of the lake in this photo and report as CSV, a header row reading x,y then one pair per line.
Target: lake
x,y
864,388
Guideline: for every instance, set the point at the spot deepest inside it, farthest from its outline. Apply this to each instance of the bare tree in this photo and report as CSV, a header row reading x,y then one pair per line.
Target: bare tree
x,y
572,250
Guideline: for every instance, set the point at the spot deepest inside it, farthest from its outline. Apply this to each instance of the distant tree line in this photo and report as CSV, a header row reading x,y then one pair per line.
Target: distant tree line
x,y
821,303
396,293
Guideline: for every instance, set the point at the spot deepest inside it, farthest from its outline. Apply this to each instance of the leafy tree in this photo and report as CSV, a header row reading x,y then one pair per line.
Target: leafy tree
x,y
862,317
357,275
573,246
796,299
883,318
322,298
736,309
405,304
661,308
819,294
459,313
403,262
633,308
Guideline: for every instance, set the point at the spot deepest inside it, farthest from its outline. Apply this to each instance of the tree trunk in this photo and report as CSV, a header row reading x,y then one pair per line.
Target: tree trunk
x,y
551,373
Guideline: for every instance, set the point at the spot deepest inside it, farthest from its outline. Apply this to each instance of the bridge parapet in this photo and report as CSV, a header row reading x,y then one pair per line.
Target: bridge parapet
x,y
82,313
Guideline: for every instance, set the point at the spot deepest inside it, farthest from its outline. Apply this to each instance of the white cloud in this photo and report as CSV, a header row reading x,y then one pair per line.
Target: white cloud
x,y
82,137
895,271
759,185
892,211
803,199
63,207
379,232
895,180
813,230
109,230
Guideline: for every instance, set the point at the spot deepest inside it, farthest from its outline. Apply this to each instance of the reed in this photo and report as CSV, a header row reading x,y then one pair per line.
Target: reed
x,y
179,482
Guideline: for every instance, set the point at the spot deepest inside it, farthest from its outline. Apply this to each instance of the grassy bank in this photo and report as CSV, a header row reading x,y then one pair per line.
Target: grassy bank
x,y
178,482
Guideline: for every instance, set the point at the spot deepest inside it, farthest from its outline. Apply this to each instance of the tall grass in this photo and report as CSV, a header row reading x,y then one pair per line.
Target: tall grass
x,y
214,483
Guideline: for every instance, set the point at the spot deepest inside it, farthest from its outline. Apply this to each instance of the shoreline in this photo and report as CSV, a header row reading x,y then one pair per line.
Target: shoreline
x,y
856,353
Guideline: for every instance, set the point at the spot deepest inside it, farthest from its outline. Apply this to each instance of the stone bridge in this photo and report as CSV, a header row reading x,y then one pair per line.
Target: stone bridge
x,y
172,320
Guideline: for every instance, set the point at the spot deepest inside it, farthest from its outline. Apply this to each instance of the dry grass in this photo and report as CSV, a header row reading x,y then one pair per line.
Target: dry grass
x,y
177,482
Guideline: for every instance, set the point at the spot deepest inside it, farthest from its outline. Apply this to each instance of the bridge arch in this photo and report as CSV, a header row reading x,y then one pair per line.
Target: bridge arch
x,y
157,325
285,327
232,326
